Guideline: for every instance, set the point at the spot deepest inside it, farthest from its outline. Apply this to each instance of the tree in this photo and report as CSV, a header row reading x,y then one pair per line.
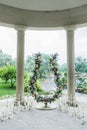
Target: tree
x,y
81,65
44,68
12,74
4,74
63,68
8,73
29,63
6,59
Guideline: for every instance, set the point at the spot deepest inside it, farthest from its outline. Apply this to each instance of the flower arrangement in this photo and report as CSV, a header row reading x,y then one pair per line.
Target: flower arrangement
x,y
57,93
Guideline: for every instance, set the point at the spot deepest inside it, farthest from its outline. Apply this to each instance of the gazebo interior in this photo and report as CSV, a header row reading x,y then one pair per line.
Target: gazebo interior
x,y
25,15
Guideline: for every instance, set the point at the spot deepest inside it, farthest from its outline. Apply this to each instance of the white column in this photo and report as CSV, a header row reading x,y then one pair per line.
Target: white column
x,y
20,63
70,65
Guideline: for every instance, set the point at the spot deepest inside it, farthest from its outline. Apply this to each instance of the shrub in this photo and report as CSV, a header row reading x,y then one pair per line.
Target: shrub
x,y
38,86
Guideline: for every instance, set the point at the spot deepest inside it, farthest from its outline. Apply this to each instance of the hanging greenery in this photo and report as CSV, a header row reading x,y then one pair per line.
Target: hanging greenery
x,y
54,68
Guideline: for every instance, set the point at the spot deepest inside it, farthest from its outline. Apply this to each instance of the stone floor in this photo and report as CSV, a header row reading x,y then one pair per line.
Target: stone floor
x,y
42,120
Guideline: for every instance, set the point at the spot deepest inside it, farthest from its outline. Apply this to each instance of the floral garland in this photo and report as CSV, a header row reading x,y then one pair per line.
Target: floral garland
x,y
35,73
57,92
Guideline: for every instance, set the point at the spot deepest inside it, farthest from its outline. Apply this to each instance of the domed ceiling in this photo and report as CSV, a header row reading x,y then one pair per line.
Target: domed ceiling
x,y
44,5
43,13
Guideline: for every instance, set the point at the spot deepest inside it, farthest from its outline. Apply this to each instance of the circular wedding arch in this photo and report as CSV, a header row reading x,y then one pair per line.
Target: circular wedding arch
x,y
57,93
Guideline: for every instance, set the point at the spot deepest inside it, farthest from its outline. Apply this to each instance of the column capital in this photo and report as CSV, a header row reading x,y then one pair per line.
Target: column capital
x,y
70,27
21,27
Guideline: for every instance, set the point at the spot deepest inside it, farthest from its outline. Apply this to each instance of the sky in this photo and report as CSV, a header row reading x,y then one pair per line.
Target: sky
x,y
48,42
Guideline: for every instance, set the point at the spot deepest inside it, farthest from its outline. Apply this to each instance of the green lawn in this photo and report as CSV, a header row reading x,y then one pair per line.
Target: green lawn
x,y
5,89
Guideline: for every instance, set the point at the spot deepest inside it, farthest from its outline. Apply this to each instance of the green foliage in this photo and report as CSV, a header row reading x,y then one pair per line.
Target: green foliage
x,y
85,88
81,85
5,89
38,86
29,64
63,80
26,81
81,65
4,74
44,68
63,68
81,81
8,73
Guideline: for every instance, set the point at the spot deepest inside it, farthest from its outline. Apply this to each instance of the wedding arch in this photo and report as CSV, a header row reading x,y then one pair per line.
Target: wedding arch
x,y
54,68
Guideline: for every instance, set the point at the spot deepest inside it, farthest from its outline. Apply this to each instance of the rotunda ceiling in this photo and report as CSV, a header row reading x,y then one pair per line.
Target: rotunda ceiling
x,y
44,5
43,13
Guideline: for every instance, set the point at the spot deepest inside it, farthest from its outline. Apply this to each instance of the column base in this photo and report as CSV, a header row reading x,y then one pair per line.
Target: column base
x,y
21,101
72,103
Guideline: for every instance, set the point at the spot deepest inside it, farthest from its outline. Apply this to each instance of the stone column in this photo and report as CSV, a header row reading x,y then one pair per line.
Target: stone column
x,y
70,65
20,63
